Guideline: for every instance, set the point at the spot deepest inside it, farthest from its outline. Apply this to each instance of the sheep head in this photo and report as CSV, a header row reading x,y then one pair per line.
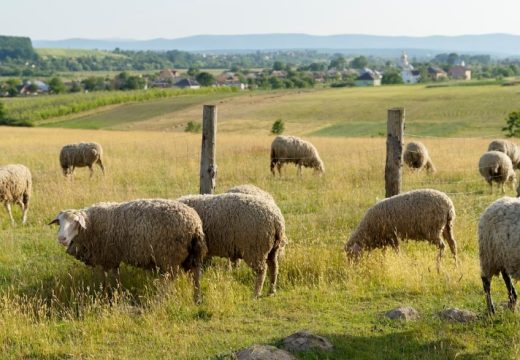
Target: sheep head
x,y
70,223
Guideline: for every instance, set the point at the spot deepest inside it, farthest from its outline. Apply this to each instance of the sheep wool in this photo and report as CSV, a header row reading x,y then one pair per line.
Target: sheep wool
x,y
251,190
15,188
290,149
416,157
509,148
149,233
499,246
425,214
496,166
81,155
242,226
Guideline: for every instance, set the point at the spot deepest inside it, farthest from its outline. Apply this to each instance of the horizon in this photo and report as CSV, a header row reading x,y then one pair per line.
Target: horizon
x,y
163,19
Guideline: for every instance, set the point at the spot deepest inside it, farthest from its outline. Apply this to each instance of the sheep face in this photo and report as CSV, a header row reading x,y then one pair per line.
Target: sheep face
x,y
353,250
67,170
70,222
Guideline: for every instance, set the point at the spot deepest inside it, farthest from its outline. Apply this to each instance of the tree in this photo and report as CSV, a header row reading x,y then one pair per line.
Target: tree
x,y
56,85
359,62
192,71
278,127
338,62
278,66
512,129
392,77
205,79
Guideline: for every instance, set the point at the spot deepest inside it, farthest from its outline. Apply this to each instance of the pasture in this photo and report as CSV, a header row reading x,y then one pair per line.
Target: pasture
x,y
52,306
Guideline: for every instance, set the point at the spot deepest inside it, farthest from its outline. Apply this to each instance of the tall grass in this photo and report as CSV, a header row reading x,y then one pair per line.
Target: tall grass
x,y
52,306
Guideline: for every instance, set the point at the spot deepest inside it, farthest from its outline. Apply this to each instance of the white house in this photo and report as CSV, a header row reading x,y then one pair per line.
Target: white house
x,y
409,75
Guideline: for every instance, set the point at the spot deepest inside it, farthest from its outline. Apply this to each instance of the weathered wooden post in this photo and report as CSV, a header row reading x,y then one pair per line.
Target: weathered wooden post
x,y
394,151
208,166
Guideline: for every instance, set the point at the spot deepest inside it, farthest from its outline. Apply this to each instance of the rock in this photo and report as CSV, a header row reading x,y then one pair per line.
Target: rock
x,y
405,313
459,315
263,352
304,341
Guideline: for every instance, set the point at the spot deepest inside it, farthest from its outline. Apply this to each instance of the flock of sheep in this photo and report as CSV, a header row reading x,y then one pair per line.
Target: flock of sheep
x,y
246,223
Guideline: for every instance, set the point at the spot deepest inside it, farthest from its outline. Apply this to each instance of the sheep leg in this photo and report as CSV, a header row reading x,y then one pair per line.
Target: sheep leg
x,y
9,211
486,283
24,210
299,166
196,273
279,167
510,290
272,264
273,164
260,277
100,163
447,234
441,246
91,171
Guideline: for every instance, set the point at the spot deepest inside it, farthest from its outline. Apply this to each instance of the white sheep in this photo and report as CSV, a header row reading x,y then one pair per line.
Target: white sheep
x,y
241,226
15,188
509,148
499,246
290,149
496,166
251,190
416,157
81,155
149,233
425,214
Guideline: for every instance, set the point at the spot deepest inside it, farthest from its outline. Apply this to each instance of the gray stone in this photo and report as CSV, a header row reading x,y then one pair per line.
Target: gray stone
x,y
405,313
304,341
263,352
459,315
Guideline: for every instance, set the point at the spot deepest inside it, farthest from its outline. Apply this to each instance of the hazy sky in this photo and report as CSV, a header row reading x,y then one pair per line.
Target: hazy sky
x,y
146,19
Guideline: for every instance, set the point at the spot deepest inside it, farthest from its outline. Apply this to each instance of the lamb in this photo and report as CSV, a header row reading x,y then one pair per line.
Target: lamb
x,y
241,226
15,188
251,190
424,214
416,157
290,149
150,233
495,166
508,148
81,155
499,246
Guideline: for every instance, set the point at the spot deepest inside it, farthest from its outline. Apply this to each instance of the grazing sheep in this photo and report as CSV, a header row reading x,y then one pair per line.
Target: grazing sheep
x,y
416,157
508,148
419,215
154,233
251,190
290,149
241,226
81,155
15,188
495,166
499,246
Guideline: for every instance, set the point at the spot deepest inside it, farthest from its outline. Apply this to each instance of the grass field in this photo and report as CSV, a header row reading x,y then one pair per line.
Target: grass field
x,y
447,111
54,307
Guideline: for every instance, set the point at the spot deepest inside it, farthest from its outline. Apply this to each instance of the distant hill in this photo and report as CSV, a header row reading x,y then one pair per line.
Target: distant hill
x,y
498,44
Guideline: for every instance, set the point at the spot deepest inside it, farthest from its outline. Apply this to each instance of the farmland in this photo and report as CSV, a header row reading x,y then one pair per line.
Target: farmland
x,y
52,306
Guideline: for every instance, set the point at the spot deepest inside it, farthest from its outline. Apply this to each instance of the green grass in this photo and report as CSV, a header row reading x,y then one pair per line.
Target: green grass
x,y
75,53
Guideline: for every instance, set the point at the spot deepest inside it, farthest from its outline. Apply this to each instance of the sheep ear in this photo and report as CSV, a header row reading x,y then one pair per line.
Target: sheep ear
x,y
55,221
81,221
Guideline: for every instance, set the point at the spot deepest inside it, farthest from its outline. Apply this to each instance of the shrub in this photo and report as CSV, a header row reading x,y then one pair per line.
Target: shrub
x,y
192,127
513,124
278,127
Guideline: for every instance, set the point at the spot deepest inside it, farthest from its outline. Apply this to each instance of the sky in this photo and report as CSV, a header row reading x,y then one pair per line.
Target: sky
x,y
148,19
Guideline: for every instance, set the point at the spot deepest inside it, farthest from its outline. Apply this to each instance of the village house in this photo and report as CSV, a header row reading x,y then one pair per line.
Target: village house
x,y
368,78
460,72
436,73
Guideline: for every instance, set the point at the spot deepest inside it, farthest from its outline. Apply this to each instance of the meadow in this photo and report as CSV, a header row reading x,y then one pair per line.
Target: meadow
x,y
54,307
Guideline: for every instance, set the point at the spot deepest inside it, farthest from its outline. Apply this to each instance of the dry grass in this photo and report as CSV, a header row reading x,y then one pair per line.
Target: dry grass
x,y
52,306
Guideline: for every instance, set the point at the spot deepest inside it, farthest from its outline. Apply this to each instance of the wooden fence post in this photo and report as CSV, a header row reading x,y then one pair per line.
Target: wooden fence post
x,y
208,166
394,151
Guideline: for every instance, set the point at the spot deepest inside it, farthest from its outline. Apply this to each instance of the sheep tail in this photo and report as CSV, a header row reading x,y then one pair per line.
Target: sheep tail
x,y
197,250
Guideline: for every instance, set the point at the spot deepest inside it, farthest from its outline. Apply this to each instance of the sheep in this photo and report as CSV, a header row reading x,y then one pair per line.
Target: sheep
x,y
416,157
424,214
251,190
15,188
508,148
242,226
495,166
148,233
499,246
290,149
81,155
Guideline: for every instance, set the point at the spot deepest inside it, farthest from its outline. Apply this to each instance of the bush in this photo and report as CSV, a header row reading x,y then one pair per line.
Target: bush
x,y
278,127
512,129
192,127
